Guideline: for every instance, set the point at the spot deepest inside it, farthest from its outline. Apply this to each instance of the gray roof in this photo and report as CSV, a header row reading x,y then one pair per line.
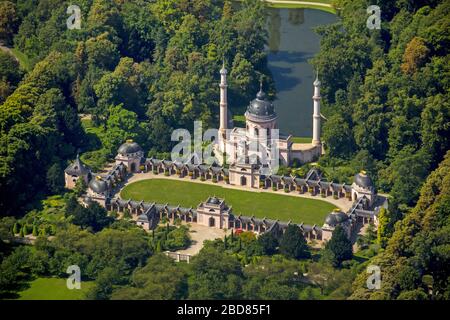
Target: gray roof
x,y
129,147
214,200
98,185
335,218
143,218
363,180
261,107
77,168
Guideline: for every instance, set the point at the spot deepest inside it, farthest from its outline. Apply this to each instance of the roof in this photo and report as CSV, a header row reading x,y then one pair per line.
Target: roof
x,y
129,147
214,200
336,217
77,168
363,180
261,108
98,185
143,218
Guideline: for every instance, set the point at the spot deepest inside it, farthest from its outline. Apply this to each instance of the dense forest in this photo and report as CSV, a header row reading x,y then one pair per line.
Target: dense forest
x,y
386,97
386,93
138,69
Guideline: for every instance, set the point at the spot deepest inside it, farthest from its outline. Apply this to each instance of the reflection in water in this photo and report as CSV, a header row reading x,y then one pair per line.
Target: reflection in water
x,y
292,42
296,16
274,30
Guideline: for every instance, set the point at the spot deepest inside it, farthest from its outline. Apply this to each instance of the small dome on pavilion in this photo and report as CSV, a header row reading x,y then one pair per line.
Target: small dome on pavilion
x,y
129,147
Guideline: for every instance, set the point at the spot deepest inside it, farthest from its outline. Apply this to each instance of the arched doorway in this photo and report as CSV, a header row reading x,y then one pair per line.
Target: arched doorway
x,y
212,222
243,181
132,167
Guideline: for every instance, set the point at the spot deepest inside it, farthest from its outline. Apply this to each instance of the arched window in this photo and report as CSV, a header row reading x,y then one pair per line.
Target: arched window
x,y
256,132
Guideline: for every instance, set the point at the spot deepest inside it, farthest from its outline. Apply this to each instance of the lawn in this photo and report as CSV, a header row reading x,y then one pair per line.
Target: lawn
x,y
53,289
301,139
259,204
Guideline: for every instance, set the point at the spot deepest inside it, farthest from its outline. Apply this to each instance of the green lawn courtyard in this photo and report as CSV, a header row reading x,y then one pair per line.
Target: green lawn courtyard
x,y
54,289
259,204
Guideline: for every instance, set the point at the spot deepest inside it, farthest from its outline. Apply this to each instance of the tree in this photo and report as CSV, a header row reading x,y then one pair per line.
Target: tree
x,y
16,228
80,187
178,239
215,275
415,55
104,284
385,227
55,178
293,243
340,246
120,126
35,231
10,74
435,127
268,242
338,136
273,278
8,21
406,174
160,279
94,216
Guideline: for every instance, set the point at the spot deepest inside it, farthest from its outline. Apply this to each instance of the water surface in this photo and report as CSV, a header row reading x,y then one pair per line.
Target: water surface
x,y
292,42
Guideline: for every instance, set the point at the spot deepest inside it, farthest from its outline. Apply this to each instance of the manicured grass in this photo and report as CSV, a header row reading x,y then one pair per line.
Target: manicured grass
x,y
54,289
259,204
301,139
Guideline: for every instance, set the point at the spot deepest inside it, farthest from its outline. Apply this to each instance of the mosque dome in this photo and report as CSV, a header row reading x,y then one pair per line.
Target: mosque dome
x,y
98,185
261,107
336,217
363,180
129,147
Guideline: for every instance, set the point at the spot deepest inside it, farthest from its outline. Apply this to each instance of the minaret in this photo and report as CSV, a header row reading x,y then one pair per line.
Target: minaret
x,y
223,102
316,115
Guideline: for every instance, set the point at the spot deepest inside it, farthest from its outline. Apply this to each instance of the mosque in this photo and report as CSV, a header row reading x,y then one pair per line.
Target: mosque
x,y
250,150
245,169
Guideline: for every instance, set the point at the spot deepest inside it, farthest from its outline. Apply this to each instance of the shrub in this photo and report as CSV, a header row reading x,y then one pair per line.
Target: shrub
x,y
274,188
16,228
166,173
35,231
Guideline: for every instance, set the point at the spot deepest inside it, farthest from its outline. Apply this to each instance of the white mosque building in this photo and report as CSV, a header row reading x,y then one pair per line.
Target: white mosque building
x,y
249,150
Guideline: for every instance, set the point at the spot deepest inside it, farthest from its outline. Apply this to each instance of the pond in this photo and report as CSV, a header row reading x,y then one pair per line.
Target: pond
x,y
292,42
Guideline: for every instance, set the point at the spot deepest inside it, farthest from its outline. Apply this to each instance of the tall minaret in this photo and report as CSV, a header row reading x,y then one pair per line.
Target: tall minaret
x,y
316,115
223,102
